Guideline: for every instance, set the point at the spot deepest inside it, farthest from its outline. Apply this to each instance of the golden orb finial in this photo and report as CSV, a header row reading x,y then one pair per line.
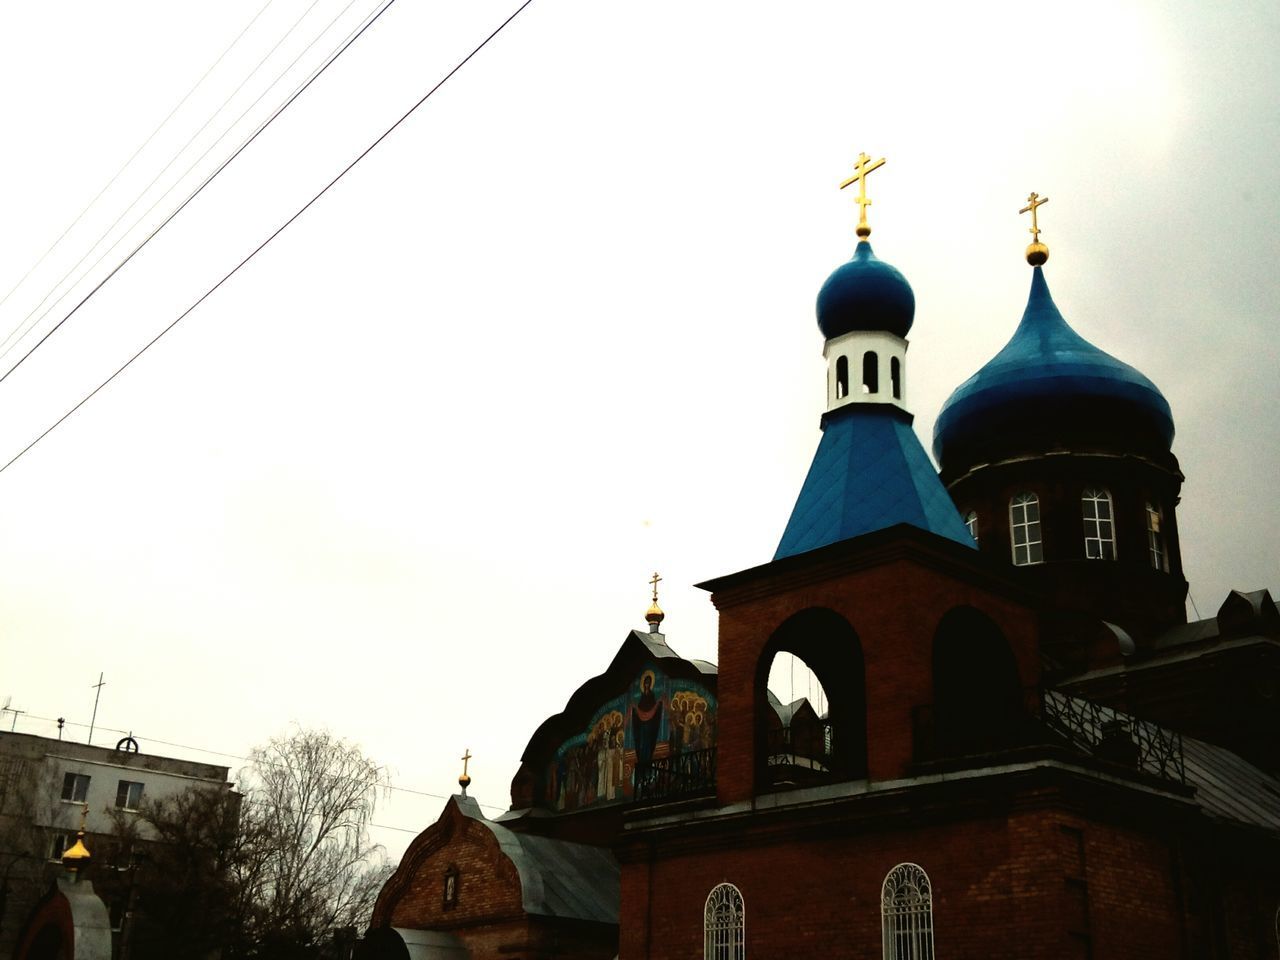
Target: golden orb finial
x,y
654,614
464,781
860,171
1037,252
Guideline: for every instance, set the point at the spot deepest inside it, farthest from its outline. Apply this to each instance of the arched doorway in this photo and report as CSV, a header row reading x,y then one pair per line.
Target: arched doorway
x,y
978,700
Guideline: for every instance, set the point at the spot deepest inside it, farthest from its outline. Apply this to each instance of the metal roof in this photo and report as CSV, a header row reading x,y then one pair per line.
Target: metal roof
x,y
870,473
557,878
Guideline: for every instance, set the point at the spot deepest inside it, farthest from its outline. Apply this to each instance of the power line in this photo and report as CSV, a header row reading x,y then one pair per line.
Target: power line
x,y
351,38
234,270
237,756
132,157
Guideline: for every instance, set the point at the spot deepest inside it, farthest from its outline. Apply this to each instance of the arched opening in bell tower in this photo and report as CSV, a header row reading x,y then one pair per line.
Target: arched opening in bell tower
x,y
978,700
820,734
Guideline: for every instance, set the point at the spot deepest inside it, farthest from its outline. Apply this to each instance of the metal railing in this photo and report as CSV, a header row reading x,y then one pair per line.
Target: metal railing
x,y
1041,717
809,746
683,775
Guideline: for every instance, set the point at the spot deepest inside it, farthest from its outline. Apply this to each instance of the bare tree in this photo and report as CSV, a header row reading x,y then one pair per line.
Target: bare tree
x,y
312,796
269,872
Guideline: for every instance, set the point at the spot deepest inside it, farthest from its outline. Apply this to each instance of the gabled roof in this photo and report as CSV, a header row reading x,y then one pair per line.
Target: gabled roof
x,y
557,878
869,473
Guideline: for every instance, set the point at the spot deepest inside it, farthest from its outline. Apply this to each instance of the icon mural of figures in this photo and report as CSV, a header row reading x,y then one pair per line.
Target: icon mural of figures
x,y
646,723
608,735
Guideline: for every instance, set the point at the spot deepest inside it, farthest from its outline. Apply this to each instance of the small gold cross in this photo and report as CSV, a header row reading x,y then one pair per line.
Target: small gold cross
x,y
466,756
1034,200
861,169
655,581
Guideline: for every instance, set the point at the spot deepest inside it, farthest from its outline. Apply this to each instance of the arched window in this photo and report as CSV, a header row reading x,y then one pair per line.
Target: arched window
x,y
842,377
1155,540
1024,529
870,372
895,377
724,928
971,521
1099,527
450,898
906,914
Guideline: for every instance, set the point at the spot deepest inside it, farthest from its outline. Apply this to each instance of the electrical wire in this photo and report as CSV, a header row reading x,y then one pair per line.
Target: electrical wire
x,y
342,47
237,756
234,270
125,165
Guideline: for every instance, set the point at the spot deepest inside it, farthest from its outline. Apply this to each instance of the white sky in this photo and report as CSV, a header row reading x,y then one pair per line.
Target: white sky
x,y
407,473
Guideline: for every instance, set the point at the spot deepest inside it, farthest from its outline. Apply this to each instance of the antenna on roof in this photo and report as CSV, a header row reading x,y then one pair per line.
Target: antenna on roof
x,y
100,684
8,709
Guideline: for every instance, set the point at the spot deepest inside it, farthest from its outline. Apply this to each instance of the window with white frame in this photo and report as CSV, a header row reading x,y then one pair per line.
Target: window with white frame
x,y
75,787
1155,539
971,521
1024,529
128,795
724,931
906,914
1099,524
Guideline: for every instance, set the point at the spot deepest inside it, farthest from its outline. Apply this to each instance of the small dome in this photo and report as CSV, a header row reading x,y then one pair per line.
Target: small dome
x,y
865,294
1049,387
654,614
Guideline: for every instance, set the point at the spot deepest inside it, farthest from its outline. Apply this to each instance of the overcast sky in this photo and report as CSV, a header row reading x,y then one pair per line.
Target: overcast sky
x,y
407,473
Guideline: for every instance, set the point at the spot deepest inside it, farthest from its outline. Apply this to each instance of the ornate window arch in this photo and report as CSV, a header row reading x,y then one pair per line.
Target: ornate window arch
x,y
906,914
1024,529
1099,524
724,924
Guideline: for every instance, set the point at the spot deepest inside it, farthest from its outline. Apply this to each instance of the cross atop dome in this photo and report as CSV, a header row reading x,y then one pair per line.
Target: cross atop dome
x,y
860,170
1037,252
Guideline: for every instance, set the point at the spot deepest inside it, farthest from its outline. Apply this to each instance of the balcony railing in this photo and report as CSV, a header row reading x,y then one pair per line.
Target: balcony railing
x,y
684,775
808,747
1048,717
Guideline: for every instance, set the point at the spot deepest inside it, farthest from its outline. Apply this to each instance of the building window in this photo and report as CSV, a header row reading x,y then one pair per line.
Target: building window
x,y
1024,529
1099,526
450,888
971,521
842,377
58,844
870,372
128,795
1155,540
75,787
724,925
906,914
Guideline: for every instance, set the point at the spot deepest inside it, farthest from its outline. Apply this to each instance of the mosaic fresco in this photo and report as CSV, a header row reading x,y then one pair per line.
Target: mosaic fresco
x,y
656,718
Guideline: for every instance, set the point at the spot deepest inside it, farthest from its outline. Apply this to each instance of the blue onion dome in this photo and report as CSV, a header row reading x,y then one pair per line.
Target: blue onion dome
x,y
865,294
1050,389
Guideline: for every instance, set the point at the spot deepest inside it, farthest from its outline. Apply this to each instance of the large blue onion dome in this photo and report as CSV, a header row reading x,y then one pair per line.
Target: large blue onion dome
x,y
1050,389
865,294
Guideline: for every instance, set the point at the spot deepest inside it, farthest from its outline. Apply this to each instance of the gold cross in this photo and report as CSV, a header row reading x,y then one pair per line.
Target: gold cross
x,y
466,756
861,169
655,581
1034,200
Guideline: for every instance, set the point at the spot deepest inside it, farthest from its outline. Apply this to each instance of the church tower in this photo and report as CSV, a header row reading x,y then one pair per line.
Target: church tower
x,y
1058,457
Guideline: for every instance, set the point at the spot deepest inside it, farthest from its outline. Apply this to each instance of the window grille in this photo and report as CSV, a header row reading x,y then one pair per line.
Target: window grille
x,y
1099,526
1155,540
724,925
1024,529
906,914
971,521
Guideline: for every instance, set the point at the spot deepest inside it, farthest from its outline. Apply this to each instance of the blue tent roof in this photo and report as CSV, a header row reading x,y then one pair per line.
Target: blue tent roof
x,y
1047,371
870,472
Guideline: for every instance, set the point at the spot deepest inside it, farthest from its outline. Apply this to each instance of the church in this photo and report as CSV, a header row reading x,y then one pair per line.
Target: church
x,y
1020,747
